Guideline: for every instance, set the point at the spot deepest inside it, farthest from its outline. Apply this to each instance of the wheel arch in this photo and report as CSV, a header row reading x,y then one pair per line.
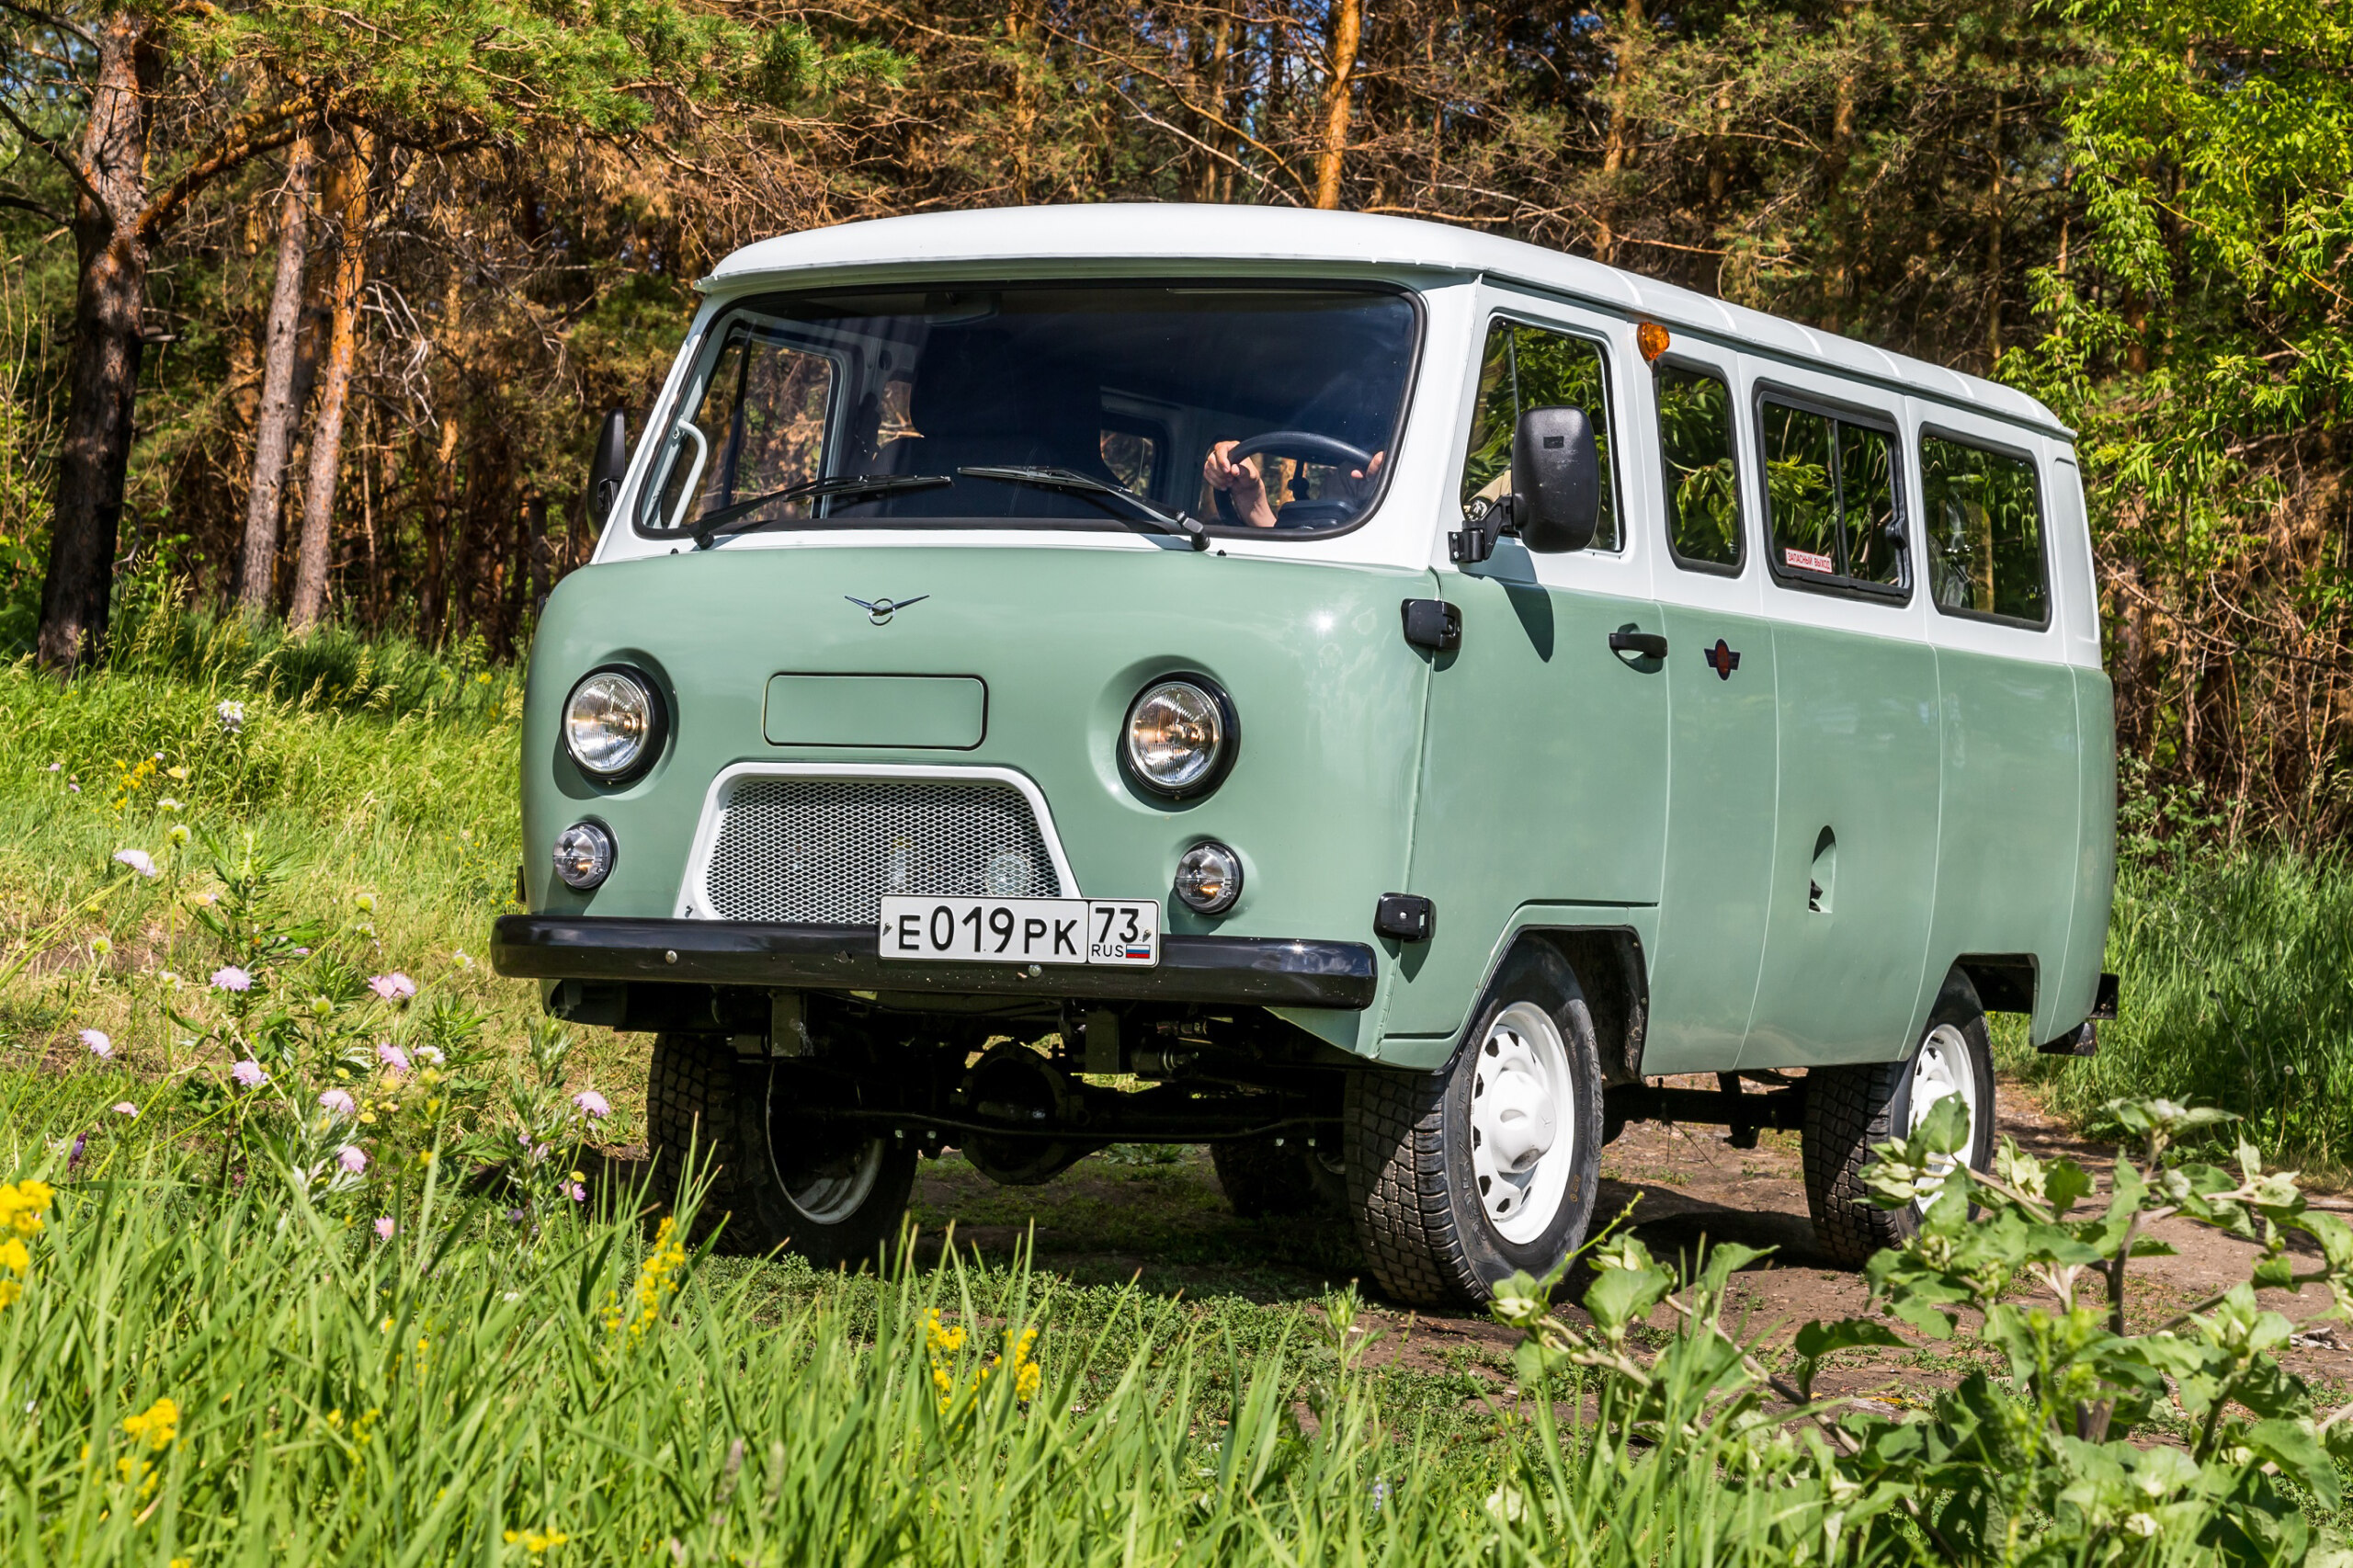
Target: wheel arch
x,y
1609,965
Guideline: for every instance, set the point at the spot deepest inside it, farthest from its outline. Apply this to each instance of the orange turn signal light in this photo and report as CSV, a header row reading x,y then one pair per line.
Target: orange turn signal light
x,y
1652,339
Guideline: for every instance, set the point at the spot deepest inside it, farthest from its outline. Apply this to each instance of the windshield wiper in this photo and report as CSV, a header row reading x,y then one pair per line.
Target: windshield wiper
x,y
1176,523
719,524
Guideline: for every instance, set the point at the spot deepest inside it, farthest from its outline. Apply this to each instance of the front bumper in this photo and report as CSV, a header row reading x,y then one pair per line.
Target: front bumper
x,y
1247,972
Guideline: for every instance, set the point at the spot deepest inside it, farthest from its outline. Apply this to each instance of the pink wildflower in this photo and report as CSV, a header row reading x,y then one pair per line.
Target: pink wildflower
x,y
249,1073
99,1045
351,1157
338,1102
230,978
138,860
574,1190
124,1108
594,1103
384,1228
391,1056
392,987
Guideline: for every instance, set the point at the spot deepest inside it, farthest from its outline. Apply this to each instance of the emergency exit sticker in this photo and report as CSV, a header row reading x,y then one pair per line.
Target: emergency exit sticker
x,y
1806,560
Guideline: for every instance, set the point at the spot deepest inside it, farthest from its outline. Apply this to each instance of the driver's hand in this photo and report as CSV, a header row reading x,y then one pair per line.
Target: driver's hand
x,y
1242,484
1362,481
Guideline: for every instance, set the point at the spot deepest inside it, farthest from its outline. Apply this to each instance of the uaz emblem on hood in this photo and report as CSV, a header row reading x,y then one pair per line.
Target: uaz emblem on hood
x,y
880,612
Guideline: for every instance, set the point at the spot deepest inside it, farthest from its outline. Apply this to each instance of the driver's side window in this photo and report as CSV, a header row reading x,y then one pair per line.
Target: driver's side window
x,y
1526,366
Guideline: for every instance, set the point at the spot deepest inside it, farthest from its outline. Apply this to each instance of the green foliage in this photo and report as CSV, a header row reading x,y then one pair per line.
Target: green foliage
x,y
2236,970
2031,1459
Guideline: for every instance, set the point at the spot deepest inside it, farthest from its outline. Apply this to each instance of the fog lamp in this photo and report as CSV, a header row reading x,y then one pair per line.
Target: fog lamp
x,y
584,856
1208,878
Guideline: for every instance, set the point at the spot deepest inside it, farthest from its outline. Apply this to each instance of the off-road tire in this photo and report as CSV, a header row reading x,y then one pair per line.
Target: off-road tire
x,y
1848,1110
1415,1197
700,1096
1264,1180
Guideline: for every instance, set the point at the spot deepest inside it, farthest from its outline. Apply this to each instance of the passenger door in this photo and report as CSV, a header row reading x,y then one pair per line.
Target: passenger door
x,y
1723,736
1856,720
1544,751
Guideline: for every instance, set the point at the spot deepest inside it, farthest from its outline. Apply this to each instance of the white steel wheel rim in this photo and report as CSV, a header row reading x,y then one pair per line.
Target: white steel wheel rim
x,y
1944,1069
1523,1122
830,1194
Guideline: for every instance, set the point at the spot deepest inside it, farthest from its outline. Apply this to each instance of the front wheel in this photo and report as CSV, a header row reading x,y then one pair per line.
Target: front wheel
x,y
1848,1110
1461,1177
777,1179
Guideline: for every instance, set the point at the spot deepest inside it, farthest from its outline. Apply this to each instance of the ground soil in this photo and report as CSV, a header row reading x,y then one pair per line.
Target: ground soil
x,y
1156,1217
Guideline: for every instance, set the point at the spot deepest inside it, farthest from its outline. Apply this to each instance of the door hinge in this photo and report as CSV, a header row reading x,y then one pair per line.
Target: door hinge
x,y
1406,917
1433,624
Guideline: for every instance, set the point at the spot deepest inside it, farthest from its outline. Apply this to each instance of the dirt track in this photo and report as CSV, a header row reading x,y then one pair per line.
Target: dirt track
x,y
1164,1222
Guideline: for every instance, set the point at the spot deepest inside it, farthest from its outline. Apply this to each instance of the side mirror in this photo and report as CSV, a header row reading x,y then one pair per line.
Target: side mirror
x,y
1555,480
606,469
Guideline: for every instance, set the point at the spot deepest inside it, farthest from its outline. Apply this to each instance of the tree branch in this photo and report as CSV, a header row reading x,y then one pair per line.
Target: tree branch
x,y
64,158
47,20
263,131
39,208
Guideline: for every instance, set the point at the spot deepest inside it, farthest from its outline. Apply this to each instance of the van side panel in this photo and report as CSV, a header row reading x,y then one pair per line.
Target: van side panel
x,y
1859,766
2062,1006
2005,851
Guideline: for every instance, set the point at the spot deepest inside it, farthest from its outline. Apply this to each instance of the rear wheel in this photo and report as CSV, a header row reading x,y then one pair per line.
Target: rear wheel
x,y
1263,1178
833,1195
1848,1110
1460,1177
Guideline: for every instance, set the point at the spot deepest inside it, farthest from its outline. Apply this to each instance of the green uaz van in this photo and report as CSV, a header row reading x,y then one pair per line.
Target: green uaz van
x,y
1365,696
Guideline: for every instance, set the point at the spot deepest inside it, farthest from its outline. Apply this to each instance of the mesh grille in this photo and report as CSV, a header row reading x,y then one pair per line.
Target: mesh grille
x,y
826,850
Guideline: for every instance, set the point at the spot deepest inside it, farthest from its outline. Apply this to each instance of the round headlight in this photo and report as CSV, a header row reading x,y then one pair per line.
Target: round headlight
x,y
584,856
1180,736
612,722
1208,878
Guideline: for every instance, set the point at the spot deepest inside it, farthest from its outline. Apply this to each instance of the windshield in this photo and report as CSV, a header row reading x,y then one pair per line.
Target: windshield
x,y
1246,406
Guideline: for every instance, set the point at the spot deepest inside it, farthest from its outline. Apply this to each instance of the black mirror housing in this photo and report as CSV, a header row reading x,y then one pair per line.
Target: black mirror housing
x,y
1555,480
606,469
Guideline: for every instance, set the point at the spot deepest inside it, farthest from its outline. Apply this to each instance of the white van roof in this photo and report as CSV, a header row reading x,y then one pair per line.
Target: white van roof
x,y
1156,232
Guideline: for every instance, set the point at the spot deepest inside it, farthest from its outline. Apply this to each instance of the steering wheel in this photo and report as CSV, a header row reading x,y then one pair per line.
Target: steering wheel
x,y
1308,447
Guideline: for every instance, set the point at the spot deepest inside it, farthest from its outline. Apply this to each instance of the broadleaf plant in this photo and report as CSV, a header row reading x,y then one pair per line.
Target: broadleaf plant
x,y
2076,1436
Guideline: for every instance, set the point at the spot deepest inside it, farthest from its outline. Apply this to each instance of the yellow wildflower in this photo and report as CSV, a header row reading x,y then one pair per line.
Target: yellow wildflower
x,y
537,1541
15,1258
158,1424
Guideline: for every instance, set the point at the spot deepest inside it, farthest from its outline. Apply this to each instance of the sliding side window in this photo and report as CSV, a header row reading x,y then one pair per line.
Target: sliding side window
x,y
1695,445
1984,517
1523,368
1830,491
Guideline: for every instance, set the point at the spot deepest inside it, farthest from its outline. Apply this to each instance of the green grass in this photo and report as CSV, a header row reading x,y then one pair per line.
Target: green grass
x,y
2237,991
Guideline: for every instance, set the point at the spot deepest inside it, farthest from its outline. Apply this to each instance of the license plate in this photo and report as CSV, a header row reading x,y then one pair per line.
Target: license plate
x,y
1023,930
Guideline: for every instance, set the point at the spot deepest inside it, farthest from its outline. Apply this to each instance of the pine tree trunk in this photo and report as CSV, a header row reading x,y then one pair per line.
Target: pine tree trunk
x,y
346,199
1616,147
273,430
103,371
1347,33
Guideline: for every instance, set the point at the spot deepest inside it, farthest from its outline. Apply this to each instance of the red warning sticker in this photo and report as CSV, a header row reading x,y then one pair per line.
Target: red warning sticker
x,y
1806,560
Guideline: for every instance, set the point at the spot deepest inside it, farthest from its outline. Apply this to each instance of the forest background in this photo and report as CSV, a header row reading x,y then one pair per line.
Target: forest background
x,y
313,308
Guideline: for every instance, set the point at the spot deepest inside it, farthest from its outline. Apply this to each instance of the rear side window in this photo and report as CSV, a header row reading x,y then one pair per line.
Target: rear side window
x,y
1695,444
1523,368
1984,517
1830,490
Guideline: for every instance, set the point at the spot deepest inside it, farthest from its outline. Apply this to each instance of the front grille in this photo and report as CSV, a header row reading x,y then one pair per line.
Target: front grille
x,y
826,850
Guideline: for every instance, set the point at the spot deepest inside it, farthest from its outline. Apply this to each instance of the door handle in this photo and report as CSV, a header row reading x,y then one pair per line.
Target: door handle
x,y
1649,645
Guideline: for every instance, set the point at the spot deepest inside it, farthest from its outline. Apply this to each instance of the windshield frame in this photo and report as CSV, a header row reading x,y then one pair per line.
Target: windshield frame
x,y
699,356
